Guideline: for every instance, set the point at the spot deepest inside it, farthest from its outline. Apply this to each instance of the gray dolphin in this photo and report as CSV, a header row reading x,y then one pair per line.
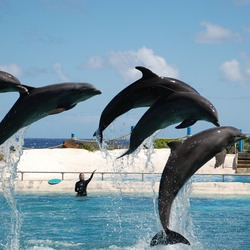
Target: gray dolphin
x,y
220,158
185,107
142,93
41,102
9,83
185,159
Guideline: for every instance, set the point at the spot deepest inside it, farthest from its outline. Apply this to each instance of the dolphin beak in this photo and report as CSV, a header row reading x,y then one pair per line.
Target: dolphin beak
x,y
98,92
217,123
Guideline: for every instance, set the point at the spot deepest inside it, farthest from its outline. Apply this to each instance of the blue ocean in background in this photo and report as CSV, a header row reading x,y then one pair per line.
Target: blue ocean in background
x,y
45,221
43,142
52,143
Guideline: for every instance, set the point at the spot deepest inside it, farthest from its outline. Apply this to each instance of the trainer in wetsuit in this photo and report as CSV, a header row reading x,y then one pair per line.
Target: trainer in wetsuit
x,y
81,185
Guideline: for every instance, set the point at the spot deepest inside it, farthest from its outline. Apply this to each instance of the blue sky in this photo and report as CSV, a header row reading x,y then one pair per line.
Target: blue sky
x,y
203,43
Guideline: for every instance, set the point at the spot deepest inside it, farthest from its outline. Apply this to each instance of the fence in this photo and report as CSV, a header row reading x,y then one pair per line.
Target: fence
x,y
146,176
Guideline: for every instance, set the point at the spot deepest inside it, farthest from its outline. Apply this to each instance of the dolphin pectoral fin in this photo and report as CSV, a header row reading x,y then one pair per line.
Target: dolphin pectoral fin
x,y
56,111
186,123
68,107
61,109
169,238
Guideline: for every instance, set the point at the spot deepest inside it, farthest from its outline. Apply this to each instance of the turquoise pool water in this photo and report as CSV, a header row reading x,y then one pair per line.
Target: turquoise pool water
x,y
105,221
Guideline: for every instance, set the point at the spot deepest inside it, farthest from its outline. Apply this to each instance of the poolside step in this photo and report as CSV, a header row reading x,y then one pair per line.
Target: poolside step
x,y
243,162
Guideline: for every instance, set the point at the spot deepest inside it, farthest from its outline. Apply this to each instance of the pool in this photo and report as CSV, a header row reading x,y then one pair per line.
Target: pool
x,y
121,221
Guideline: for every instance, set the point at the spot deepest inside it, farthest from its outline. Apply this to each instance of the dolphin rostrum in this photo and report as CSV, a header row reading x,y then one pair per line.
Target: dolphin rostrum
x,y
41,102
142,93
185,159
9,83
185,107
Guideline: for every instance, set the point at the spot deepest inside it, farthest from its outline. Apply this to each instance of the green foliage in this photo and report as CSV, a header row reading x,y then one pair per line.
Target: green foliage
x,y
161,143
88,147
246,144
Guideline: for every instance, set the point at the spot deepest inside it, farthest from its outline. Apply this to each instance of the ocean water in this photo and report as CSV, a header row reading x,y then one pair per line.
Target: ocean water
x,y
43,142
114,221
57,142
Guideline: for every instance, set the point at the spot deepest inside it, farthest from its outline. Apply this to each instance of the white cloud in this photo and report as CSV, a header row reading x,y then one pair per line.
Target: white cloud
x,y
12,68
94,62
60,73
215,34
234,71
126,61
231,70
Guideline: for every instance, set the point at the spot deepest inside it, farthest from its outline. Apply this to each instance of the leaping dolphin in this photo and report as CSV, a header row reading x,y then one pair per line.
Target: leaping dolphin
x,y
186,108
41,102
185,159
9,83
142,93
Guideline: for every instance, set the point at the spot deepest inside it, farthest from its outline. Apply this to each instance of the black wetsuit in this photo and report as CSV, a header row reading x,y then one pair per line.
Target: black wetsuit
x,y
81,186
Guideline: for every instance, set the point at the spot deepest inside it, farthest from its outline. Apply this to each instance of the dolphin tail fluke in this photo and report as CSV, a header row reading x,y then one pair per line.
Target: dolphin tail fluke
x,y
169,238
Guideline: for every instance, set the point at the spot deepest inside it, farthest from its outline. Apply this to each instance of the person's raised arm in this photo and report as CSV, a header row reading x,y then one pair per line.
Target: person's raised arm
x,y
92,175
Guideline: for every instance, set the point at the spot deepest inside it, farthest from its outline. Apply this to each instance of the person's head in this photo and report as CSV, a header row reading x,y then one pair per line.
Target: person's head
x,y
81,176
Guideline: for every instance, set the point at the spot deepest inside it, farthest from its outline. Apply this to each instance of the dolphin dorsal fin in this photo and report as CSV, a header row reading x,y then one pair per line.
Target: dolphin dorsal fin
x,y
174,145
146,73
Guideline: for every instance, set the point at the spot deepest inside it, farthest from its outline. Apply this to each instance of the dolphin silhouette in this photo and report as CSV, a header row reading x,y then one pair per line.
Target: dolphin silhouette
x,y
142,93
41,102
185,159
185,107
9,83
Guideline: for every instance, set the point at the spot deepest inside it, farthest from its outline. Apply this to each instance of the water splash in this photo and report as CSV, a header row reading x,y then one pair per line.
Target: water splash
x,y
181,220
151,168
11,152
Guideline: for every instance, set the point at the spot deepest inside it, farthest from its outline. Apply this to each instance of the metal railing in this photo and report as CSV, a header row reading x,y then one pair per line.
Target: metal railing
x,y
142,176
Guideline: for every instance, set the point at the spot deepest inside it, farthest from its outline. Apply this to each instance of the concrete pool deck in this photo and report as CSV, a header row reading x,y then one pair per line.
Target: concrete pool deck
x,y
37,166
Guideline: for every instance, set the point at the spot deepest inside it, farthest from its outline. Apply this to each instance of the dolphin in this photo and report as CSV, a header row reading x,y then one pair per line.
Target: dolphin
x,y
41,102
220,158
142,93
9,83
185,159
183,107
